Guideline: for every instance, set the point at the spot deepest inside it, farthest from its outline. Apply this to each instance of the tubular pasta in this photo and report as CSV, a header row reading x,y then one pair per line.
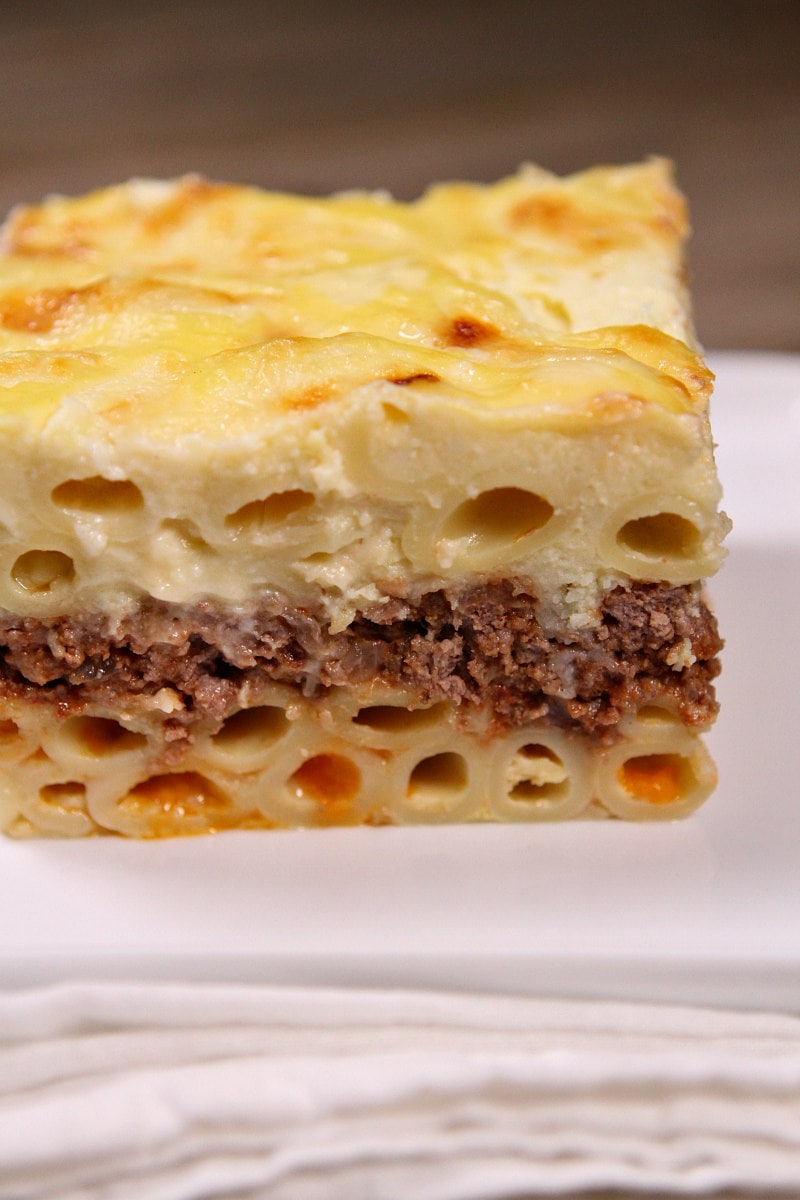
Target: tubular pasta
x,y
659,771
325,512
398,766
540,776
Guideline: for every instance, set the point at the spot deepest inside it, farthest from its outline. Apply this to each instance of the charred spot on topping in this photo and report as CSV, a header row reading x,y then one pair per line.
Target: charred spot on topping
x,y
191,193
469,331
311,397
672,220
38,312
558,217
617,405
25,238
657,349
41,311
34,365
417,377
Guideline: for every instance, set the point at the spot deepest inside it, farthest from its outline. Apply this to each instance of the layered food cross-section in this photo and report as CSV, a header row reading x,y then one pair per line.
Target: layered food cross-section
x,y
347,510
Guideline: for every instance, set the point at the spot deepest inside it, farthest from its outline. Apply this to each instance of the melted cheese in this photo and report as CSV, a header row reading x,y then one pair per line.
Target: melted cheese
x,y
148,284
212,393
213,347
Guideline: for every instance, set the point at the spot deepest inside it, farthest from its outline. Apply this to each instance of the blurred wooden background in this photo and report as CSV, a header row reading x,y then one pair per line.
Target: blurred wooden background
x,y
314,96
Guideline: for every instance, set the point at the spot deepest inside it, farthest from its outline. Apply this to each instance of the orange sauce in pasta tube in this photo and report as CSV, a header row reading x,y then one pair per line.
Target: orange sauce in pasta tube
x,y
184,803
332,782
655,778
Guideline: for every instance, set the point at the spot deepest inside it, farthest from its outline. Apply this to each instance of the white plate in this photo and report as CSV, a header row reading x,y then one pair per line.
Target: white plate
x,y
705,910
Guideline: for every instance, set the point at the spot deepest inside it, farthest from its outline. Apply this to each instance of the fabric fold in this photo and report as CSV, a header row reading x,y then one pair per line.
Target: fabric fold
x,y
171,1092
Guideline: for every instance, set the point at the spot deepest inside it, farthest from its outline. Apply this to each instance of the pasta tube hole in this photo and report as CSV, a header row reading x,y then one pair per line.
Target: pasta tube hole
x,y
500,516
394,415
9,733
185,534
331,782
251,728
101,736
102,497
655,714
657,778
392,718
269,511
64,797
42,570
182,795
438,777
327,779
663,535
536,773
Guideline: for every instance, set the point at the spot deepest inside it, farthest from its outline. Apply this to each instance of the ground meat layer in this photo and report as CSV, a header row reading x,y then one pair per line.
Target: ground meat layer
x,y
481,647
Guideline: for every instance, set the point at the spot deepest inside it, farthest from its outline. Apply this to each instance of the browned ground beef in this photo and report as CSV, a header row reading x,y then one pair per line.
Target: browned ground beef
x,y
478,647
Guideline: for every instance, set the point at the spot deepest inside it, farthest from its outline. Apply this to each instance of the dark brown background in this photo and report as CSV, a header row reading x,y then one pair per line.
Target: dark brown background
x,y
316,96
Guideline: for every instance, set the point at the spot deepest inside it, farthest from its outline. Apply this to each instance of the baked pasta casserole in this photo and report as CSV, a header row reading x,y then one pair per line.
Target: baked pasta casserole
x,y
338,511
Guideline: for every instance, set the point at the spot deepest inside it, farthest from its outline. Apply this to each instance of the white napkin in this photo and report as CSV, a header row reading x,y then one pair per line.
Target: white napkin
x,y
162,1092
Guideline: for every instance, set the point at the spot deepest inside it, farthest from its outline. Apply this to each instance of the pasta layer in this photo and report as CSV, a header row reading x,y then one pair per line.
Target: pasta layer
x,y
322,511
